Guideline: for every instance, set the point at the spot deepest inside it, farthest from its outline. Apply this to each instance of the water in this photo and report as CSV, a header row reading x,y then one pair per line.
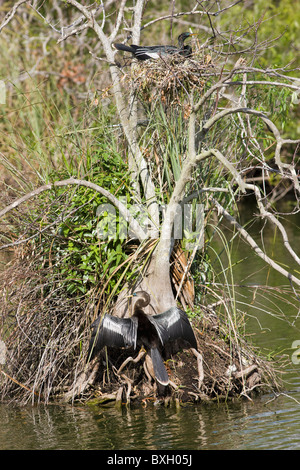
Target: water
x,y
267,422
243,425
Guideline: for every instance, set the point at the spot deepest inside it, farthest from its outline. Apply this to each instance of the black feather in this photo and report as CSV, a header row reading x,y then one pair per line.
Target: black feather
x,y
113,332
156,52
159,368
174,324
151,331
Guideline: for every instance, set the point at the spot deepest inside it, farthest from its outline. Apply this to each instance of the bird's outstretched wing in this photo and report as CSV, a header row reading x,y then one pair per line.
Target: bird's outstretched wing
x,y
113,332
173,324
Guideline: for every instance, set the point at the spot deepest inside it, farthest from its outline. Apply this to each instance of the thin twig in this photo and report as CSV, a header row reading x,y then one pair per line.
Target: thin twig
x,y
19,383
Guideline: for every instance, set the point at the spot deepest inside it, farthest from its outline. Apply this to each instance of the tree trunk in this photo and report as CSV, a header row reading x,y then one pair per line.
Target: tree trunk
x,y
155,280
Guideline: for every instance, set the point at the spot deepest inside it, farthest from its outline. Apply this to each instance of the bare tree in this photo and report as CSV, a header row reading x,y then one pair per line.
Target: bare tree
x,y
227,81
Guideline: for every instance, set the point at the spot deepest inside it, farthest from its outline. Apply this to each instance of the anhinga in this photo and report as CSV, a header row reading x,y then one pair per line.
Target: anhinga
x,y
151,331
156,52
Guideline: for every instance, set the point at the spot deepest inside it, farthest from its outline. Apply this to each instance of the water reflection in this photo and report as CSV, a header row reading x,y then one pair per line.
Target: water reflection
x,y
243,425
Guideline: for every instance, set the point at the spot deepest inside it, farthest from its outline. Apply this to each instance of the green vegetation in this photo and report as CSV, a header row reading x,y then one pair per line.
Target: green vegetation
x,y
62,120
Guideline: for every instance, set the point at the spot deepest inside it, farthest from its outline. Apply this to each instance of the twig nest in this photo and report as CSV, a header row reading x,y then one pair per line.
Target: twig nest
x,y
169,79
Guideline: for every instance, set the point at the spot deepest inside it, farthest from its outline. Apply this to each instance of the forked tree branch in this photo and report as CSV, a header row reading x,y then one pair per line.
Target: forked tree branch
x,y
165,243
279,140
194,11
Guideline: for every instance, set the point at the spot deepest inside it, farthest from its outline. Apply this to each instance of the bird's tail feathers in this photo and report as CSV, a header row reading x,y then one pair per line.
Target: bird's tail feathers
x,y
123,47
159,367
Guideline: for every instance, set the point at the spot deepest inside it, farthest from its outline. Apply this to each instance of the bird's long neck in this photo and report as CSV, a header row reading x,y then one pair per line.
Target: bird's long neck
x,y
181,42
138,312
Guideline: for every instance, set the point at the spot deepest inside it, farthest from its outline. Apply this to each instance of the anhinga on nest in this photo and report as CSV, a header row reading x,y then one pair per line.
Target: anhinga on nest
x,y
151,331
156,52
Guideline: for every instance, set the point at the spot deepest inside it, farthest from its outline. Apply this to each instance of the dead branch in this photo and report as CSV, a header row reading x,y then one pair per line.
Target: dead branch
x,y
72,181
253,244
135,360
266,214
200,367
12,13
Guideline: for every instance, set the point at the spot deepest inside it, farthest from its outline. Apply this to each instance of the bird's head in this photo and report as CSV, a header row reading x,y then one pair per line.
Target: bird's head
x,y
142,298
183,36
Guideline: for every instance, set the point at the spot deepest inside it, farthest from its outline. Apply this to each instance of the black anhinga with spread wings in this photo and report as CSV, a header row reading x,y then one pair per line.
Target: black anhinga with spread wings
x,y
151,331
156,52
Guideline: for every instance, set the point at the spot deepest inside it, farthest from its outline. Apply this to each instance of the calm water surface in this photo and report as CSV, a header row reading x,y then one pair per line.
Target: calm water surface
x,y
258,425
265,423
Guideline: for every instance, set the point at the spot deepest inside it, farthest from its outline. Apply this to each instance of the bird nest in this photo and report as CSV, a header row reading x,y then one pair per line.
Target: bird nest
x,y
169,80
